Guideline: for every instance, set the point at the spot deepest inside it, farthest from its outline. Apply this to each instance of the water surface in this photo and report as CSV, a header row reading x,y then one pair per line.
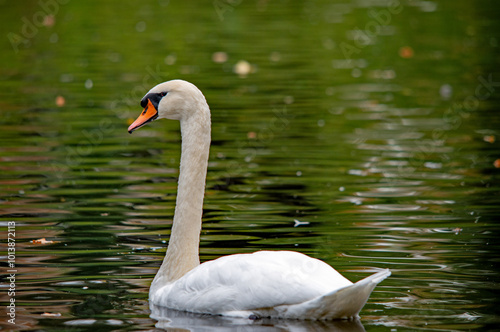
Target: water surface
x,y
361,133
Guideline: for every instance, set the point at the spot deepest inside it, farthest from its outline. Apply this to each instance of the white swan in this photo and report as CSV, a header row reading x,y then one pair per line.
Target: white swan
x,y
281,284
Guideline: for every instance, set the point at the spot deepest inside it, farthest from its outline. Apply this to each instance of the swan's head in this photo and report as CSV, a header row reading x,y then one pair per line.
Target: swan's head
x,y
175,100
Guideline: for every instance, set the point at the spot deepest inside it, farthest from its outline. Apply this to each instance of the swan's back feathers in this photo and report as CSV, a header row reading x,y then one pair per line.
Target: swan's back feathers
x,y
249,281
267,284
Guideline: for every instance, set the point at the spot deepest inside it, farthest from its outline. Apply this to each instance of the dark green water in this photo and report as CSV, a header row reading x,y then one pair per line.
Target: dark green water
x,y
376,123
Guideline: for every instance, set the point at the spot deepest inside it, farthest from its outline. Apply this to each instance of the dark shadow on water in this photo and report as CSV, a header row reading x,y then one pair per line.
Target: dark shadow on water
x,y
173,320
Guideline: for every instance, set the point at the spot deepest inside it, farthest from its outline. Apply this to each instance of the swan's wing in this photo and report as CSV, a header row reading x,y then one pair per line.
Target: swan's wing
x,y
343,303
238,283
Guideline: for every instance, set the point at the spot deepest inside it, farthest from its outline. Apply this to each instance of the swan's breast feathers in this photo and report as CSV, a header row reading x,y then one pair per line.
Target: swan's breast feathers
x,y
265,279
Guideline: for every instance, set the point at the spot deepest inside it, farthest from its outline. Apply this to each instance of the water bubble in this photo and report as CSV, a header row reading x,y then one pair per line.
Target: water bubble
x,y
170,59
288,100
219,57
140,26
275,56
242,68
445,91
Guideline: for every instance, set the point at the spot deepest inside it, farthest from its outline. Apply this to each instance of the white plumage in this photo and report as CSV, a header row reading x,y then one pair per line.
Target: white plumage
x,y
282,284
267,284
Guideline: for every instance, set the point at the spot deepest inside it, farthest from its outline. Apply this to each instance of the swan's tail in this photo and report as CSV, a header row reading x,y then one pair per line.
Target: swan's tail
x,y
343,303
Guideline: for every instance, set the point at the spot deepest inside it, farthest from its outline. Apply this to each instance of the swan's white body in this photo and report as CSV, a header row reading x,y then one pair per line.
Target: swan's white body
x,y
282,284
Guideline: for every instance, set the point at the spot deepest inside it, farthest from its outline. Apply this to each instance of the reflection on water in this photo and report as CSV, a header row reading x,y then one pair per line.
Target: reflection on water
x,y
172,320
358,133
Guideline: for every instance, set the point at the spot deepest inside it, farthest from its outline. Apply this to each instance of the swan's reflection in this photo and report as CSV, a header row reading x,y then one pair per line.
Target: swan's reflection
x,y
173,320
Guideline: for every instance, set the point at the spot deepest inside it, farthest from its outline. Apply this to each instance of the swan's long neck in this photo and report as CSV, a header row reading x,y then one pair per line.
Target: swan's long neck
x,y
183,248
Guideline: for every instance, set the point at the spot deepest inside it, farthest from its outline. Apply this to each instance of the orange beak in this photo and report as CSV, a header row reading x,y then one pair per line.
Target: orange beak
x,y
149,114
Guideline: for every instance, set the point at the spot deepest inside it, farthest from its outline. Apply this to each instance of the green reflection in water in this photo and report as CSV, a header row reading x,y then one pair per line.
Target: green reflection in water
x,y
387,158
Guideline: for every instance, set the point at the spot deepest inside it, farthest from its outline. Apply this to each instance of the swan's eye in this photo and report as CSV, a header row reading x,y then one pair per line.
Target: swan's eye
x,y
163,94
